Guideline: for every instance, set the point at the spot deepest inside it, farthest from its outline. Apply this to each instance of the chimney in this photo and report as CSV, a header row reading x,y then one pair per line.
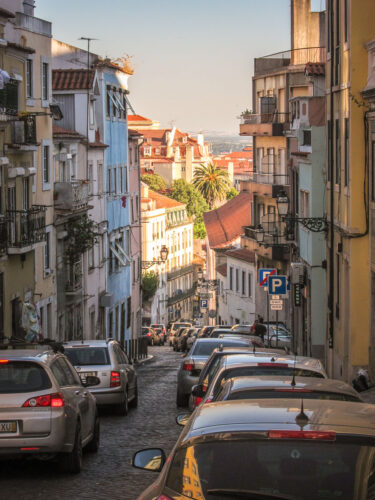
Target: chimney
x,y
28,7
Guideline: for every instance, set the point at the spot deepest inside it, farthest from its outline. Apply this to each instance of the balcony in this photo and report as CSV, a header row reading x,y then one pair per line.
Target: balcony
x,y
265,124
178,297
26,229
3,235
24,132
275,62
33,24
180,272
73,284
274,178
71,196
9,100
274,247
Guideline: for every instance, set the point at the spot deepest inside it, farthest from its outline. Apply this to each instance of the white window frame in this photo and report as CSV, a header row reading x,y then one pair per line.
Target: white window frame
x,y
304,203
45,60
30,98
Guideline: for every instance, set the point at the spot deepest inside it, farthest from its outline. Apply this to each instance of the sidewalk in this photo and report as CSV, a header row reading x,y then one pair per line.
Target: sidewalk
x,y
143,360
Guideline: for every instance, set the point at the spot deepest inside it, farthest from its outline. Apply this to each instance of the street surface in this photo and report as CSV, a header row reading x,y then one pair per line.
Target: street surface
x,y
108,474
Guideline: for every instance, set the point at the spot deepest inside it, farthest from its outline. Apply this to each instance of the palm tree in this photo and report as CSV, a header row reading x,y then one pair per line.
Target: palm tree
x,y
212,182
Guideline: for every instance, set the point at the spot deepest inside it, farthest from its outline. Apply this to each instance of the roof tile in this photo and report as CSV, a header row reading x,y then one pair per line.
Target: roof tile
x,y
72,79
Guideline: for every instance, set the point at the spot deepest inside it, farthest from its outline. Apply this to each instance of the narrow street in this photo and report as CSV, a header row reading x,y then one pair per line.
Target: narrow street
x,y
109,474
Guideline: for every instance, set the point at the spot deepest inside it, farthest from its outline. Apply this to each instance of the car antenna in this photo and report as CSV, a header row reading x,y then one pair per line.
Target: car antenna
x,y
293,382
302,419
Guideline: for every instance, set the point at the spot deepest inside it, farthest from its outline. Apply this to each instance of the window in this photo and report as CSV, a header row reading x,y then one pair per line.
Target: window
x,y
306,138
109,182
237,281
25,193
329,149
100,178
91,257
304,203
243,282
108,101
45,83
137,211
47,252
117,319
147,151
114,180
129,308
249,284
231,278
337,152
132,210
46,165
346,159
110,319
29,78
121,180
90,174
92,323
125,180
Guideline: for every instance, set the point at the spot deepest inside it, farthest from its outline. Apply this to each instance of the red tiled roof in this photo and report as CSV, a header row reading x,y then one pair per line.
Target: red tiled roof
x,y
72,79
242,254
222,269
315,69
225,224
138,118
163,201
64,132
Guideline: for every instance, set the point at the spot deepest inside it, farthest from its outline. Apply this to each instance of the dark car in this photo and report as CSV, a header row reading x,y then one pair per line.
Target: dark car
x,y
149,333
182,339
205,331
159,338
268,449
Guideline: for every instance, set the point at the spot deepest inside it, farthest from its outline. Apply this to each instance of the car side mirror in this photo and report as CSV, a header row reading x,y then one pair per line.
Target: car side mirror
x,y
197,391
183,418
152,459
91,380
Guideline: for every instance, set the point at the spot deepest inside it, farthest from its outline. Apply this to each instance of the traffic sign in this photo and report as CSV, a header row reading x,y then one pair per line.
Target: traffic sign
x,y
264,274
276,302
277,285
277,307
204,304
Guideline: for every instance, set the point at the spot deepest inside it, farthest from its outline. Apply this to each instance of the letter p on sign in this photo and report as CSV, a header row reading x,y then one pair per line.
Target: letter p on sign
x,y
277,285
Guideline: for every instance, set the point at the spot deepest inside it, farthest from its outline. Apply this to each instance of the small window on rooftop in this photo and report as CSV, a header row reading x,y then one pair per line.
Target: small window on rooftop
x,y
307,138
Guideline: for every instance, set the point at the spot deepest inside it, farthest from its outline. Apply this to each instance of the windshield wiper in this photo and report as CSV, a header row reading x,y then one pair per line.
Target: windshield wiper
x,y
251,494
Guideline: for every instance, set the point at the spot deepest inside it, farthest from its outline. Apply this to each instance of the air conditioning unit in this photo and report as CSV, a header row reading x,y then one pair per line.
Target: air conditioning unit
x,y
297,274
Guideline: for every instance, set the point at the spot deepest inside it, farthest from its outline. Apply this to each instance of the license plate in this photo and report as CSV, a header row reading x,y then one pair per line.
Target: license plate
x,y
8,427
87,374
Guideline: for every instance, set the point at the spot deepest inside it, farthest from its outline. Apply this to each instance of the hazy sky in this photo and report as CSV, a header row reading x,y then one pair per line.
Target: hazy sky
x,y
193,59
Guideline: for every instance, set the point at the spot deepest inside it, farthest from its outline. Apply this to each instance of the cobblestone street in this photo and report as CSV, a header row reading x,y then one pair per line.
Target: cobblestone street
x,y
109,474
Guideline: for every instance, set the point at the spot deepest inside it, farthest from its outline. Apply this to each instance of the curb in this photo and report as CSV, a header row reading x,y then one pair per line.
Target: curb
x,y
143,360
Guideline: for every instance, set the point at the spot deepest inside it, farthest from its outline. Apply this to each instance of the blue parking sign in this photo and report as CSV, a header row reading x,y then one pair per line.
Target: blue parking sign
x,y
277,285
264,274
204,304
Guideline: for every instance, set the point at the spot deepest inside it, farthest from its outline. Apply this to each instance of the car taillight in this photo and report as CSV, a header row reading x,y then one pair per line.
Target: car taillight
x,y
208,400
318,435
4,360
164,497
148,334
280,365
197,400
115,379
188,367
53,400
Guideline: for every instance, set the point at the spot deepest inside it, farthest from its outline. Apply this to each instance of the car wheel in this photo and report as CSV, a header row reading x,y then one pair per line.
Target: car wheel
x,y
93,446
123,408
72,462
182,399
134,402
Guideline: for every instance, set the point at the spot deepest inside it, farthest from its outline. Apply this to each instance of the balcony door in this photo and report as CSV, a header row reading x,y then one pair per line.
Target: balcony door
x,y
64,173
1,306
12,204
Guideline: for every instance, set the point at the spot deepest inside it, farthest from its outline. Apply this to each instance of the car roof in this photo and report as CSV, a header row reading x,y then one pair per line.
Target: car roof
x,y
343,417
41,355
242,349
90,343
297,361
243,342
284,382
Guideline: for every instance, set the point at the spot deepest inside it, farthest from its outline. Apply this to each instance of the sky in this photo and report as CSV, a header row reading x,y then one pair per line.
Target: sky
x,y
193,60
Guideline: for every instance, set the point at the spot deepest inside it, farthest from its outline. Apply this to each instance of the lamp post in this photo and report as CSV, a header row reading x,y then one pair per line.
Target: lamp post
x,y
314,224
146,264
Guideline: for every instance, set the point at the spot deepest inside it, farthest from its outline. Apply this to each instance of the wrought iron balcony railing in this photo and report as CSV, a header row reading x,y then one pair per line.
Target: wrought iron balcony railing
x,y
177,297
26,227
9,98
273,178
3,234
256,119
72,195
180,272
73,283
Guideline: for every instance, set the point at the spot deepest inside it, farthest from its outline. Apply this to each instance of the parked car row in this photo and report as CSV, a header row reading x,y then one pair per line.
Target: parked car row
x,y
49,398
263,423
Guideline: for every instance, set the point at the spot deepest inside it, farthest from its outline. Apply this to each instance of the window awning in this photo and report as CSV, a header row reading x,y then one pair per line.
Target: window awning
x,y
130,106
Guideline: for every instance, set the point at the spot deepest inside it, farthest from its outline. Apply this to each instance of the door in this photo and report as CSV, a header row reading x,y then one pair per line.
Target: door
x,y
1,306
12,214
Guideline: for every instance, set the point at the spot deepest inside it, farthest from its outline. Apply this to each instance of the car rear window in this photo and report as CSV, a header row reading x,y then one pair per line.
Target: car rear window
x,y
85,356
297,469
23,376
206,348
274,393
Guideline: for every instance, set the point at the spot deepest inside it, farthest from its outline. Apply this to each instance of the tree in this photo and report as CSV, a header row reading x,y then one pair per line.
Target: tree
x,y
212,182
232,193
199,230
154,181
149,284
188,194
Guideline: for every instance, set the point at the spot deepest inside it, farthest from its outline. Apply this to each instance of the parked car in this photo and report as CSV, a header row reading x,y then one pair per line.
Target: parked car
x,y
205,331
209,369
46,409
106,359
191,339
253,339
193,363
267,449
266,387
215,332
181,340
158,336
176,336
161,326
173,329
257,364
149,333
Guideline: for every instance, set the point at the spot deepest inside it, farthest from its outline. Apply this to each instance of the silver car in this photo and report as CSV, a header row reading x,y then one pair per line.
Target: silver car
x,y
268,448
45,409
106,360
195,360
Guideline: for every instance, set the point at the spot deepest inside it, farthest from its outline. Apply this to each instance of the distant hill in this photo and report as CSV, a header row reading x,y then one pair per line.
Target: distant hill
x,y
224,143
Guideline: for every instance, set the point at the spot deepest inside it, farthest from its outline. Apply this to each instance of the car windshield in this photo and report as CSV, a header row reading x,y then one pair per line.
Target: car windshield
x,y
85,356
206,348
22,376
242,468
290,394
181,325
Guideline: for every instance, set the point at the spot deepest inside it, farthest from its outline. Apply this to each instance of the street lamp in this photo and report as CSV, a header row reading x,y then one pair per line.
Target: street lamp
x,y
314,224
259,234
200,274
146,264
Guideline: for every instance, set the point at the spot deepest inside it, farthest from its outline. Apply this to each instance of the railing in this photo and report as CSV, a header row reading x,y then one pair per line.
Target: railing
x,y
177,297
269,178
26,227
73,195
24,131
74,277
180,272
3,235
9,98
136,348
275,230
277,60
256,119
33,24
250,232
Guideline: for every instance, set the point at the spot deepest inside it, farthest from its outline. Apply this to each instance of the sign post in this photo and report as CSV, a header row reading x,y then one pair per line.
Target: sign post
x,y
264,275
